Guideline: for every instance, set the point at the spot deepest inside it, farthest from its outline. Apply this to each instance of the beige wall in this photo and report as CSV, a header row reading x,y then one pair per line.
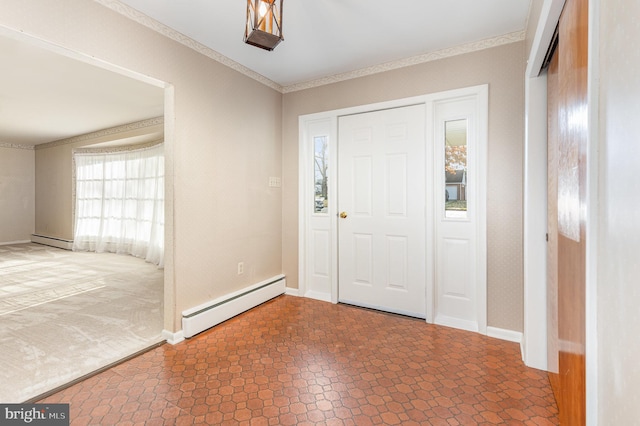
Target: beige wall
x,y
223,143
17,194
618,270
53,192
503,69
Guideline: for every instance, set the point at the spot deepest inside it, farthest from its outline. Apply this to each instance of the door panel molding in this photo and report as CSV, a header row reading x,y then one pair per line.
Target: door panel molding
x,y
393,187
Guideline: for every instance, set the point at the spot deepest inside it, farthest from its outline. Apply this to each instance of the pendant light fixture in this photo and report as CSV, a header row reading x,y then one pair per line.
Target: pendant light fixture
x,y
264,23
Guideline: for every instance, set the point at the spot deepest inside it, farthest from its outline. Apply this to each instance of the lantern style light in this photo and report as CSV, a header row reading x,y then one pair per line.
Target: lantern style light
x,y
264,23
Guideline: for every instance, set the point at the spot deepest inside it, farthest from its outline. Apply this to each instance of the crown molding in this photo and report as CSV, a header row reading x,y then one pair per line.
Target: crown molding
x,y
105,132
117,149
174,35
16,146
168,32
413,60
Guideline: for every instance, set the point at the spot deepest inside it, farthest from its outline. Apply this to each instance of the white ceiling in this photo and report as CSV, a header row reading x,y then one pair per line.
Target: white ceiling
x,y
45,96
328,37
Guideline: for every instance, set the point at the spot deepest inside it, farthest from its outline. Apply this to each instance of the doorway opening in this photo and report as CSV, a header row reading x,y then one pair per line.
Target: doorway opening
x,y
53,68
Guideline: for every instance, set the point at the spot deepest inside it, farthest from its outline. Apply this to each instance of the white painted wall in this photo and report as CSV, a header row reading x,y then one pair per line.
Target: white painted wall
x,y
618,217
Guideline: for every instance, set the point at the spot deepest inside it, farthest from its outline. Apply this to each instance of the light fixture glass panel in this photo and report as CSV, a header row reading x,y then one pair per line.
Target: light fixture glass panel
x,y
264,23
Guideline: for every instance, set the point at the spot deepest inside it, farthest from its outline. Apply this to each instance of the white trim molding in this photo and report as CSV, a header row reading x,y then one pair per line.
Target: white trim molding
x,y
17,146
316,295
289,291
410,61
534,341
535,224
173,338
592,259
111,131
508,335
504,334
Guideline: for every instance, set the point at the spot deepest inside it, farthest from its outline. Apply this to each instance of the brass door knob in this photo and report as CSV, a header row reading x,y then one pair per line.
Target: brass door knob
x,y
343,215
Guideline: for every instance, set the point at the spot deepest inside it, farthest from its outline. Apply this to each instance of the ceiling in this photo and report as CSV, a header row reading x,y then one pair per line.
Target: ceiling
x,y
328,37
46,96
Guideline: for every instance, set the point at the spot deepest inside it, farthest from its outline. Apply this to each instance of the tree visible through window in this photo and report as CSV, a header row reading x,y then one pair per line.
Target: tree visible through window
x,y
455,168
321,168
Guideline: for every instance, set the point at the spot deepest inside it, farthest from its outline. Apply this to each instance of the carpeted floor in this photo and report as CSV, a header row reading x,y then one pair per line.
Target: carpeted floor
x,y
65,314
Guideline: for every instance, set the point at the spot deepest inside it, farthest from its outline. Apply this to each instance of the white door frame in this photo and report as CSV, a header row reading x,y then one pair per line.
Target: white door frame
x,y
534,343
306,247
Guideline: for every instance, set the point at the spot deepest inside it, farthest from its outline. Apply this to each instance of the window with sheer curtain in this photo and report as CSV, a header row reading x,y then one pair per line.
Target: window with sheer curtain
x,y
120,203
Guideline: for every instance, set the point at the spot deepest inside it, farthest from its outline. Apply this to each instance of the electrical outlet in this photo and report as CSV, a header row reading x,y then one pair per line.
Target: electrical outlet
x,y
240,268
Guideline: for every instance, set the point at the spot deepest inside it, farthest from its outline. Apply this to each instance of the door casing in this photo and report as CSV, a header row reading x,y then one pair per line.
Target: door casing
x,y
308,250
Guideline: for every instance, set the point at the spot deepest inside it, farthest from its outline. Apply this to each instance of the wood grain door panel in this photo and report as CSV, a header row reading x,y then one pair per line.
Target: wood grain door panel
x,y
552,225
568,136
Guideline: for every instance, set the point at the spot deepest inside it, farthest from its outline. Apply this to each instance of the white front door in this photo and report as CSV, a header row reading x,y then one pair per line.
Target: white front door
x,y
381,200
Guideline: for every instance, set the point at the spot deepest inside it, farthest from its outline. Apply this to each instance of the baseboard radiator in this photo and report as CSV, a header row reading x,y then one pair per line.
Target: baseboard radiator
x,y
52,241
207,315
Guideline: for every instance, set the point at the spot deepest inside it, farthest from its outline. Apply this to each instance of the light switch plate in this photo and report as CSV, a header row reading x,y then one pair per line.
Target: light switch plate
x,y
274,182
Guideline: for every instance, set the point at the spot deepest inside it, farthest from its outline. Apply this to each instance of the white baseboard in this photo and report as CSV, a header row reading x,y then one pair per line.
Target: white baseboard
x,y
456,323
292,292
207,315
325,297
52,241
503,334
173,338
15,242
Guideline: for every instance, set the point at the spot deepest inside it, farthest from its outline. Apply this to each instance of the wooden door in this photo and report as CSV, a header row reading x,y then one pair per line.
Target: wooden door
x,y
569,93
381,197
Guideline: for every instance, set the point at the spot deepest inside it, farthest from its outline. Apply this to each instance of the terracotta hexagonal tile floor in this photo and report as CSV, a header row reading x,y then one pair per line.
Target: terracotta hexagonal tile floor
x,y
295,361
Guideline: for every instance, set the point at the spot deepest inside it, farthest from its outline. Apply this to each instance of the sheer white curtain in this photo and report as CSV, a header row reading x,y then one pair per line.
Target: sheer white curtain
x,y
120,203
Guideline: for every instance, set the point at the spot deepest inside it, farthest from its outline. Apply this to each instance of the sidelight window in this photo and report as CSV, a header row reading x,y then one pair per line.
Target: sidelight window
x,y
455,168
321,169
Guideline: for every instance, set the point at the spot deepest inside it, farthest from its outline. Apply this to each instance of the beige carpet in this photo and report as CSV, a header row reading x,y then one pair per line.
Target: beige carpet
x,y
65,314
